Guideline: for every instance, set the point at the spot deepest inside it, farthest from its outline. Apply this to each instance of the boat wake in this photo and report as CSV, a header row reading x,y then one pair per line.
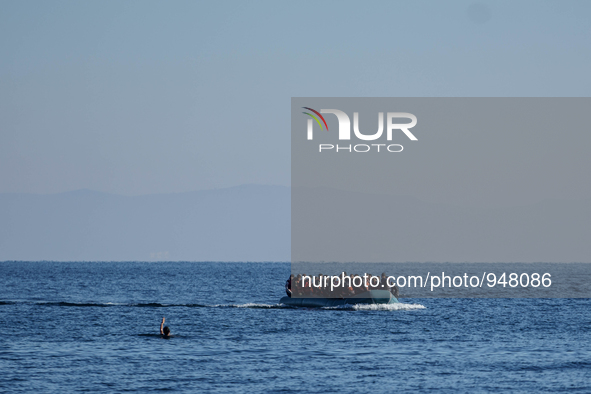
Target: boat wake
x,y
250,305
399,306
139,304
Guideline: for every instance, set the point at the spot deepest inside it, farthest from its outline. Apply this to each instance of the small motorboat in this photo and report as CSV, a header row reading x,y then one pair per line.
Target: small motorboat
x,y
368,297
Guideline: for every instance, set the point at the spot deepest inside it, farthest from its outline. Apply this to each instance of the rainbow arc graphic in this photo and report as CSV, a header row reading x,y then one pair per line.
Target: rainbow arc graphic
x,y
315,118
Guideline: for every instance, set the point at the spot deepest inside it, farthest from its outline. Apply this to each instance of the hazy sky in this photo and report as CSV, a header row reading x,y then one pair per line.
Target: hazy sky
x,y
140,97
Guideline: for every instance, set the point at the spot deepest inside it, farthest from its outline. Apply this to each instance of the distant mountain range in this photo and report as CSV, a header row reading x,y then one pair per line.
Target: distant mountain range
x,y
244,223
253,223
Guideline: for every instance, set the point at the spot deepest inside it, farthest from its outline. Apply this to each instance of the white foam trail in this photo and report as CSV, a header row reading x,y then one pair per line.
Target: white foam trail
x,y
380,307
254,305
248,305
358,307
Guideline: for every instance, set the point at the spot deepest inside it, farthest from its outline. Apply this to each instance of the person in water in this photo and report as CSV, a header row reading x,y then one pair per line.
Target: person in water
x,y
288,286
164,331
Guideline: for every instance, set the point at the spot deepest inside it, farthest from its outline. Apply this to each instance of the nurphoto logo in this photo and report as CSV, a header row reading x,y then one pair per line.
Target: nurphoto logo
x,y
344,132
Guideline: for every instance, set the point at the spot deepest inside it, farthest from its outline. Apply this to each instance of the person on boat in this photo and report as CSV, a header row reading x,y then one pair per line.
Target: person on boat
x,y
358,289
370,284
384,281
350,291
288,286
393,289
364,284
298,285
308,289
164,331
322,290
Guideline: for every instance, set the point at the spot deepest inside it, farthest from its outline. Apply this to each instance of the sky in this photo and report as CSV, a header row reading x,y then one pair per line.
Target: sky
x,y
144,97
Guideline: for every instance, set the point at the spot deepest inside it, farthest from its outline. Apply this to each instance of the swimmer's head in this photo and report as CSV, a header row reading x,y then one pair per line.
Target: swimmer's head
x,y
166,330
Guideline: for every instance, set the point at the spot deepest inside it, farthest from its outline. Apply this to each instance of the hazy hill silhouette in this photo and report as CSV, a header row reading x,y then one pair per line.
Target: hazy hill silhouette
x,y
244,223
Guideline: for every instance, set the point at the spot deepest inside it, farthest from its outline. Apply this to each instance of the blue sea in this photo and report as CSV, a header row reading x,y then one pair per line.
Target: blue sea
x,y
94,327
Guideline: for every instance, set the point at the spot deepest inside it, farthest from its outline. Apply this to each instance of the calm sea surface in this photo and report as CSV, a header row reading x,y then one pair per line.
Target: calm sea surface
x,y
95,327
